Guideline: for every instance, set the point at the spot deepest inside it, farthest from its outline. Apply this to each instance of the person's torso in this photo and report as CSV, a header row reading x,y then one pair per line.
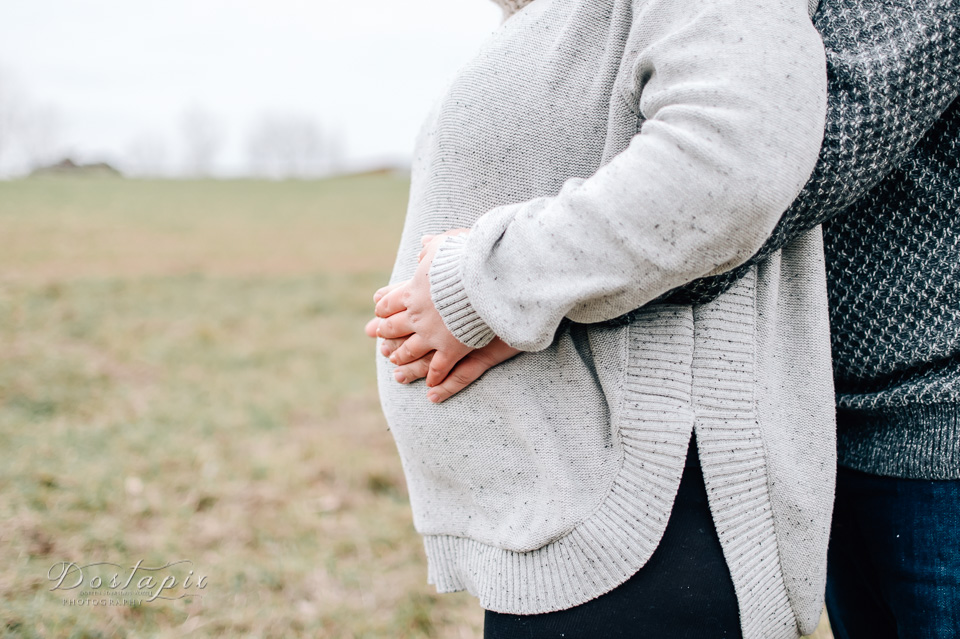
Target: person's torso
x,y
893,273
536,106
567,458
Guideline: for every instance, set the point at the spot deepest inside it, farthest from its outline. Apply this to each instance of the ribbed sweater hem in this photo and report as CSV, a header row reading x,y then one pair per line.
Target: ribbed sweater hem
x,y
616,540
609,546
912,442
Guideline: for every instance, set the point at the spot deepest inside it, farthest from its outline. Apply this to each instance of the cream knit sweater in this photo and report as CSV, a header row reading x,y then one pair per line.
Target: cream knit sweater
x,y
604,152
511,6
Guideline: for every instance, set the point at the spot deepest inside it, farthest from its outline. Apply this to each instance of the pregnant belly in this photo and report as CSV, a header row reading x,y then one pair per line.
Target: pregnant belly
x,y
516,459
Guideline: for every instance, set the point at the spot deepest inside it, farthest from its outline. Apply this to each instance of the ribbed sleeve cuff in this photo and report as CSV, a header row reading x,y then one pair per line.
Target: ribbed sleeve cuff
x,y
450,298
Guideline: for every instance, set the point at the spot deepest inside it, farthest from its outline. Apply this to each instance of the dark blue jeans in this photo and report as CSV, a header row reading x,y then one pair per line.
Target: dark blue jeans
x,y
894,558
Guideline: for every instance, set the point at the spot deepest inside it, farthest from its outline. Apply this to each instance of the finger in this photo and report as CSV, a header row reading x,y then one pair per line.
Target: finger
x,y
384,290
389,345
442,363
371,328
467,371
397,325
414,370
391,303
411,350
471,368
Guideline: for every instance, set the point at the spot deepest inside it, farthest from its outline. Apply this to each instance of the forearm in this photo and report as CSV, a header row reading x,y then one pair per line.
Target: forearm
x,y
893,67
734,103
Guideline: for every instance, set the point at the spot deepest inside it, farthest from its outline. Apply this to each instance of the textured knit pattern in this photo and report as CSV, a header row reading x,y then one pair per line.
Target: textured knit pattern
x,y
549,480
887,180
893,67
893,265
450,299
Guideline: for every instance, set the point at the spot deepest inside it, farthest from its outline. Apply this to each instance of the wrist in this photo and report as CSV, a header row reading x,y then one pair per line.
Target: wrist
x,y
450,297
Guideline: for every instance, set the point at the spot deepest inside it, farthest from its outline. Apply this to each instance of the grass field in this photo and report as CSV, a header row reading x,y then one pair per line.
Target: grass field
x,y
184,376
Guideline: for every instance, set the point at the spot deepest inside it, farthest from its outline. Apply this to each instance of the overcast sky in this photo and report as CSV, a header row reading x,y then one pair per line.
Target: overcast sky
x,y
119,74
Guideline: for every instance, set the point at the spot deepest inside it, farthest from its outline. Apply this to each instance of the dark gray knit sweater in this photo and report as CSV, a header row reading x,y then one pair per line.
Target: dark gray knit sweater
x,y
887,187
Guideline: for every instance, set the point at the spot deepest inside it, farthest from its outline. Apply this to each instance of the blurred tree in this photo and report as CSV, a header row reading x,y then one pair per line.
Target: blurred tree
x,y
287,145
146,156
335,150
30,134
10,113
40,135
203,139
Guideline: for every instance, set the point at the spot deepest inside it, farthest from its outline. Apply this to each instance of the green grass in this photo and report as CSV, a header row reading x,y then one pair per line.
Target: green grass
x,y
184,376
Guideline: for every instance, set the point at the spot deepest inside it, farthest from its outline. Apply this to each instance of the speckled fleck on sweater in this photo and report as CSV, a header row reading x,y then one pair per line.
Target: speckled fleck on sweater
x,y
604,152
888,185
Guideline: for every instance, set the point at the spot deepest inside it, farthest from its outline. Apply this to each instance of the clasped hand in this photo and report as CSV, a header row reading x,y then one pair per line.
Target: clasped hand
x,y
416,339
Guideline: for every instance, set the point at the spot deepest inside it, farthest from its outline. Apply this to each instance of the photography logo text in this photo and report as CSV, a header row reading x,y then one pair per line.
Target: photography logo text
x,y
109,584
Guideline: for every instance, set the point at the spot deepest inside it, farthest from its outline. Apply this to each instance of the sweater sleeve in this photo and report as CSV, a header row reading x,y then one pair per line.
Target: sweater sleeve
x,y
893,67
449,297
733,94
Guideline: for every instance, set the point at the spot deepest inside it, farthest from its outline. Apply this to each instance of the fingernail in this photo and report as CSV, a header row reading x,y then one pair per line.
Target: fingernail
x,y
393,358
433,397
377,296
398,375
385,350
